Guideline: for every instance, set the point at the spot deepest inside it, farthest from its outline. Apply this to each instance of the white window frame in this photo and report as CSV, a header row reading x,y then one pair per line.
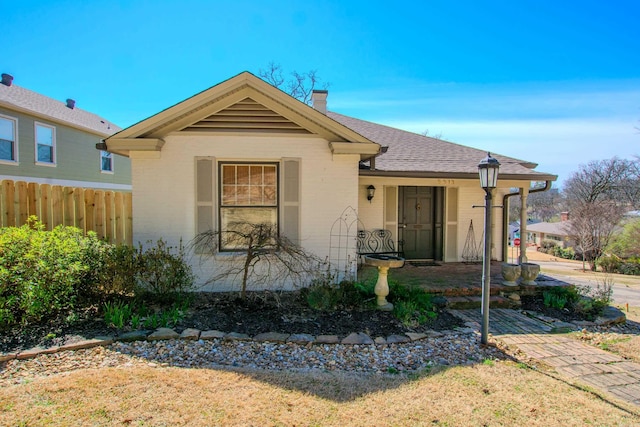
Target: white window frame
x,y
53,144
222,206
111,157
13,161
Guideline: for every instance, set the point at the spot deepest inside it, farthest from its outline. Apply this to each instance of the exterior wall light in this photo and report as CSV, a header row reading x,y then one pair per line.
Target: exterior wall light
x,y
371,191
488,171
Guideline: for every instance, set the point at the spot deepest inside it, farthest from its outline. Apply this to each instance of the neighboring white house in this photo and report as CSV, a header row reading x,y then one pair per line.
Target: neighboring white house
x,y
556,231
244,149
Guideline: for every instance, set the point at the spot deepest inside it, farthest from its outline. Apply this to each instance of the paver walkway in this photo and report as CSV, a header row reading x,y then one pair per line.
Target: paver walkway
x,y
572,359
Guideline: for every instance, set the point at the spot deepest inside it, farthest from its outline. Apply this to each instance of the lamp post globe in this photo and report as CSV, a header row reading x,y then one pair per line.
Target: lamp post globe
x,y
488,171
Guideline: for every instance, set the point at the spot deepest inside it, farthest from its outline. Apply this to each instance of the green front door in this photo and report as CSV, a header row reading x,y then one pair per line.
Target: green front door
x,y
416,226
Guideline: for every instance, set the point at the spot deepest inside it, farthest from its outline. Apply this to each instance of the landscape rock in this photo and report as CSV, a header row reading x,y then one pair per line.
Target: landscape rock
x,y
415,336
163,334
190,334
212,335
611,316
327,339
380,340
87,344
357,338
271,337
133,336
301,338
8,356
236,336
395,339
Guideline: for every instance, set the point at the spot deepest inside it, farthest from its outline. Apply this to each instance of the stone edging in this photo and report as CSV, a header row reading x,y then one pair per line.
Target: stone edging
x,y
354,338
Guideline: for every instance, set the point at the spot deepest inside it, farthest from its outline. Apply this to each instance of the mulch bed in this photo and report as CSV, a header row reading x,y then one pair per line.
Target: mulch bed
x,y
283,312
536,303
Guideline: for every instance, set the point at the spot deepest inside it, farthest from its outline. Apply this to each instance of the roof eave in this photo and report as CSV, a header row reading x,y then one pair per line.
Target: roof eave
x,y
456,175
29,112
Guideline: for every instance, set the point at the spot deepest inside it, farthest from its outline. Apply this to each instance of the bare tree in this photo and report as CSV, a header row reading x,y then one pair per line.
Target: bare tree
x,y
263,255
598,195
426,132
298,85
542,205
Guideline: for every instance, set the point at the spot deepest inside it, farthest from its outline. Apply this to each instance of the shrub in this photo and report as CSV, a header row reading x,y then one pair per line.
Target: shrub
x,y
609,263
547,245
43,273
323,297
411,305
630,266
561,252
117,274
163,274
560,297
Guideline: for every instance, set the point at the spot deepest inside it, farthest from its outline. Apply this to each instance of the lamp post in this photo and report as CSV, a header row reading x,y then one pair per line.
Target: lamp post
x,y
488,171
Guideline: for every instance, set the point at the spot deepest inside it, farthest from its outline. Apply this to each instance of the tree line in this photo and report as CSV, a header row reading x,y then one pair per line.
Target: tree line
x,y
597,196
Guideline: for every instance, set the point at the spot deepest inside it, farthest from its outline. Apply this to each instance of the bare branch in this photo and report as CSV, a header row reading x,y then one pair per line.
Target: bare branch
x,y
264,257
299,85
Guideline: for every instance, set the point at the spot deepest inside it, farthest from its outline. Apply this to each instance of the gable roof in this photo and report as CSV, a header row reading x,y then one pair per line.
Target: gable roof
x,y
555,228
241,104
414,155
29,102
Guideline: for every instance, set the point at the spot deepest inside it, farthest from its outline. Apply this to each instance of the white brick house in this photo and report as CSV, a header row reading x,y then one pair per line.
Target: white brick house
x,y
244,149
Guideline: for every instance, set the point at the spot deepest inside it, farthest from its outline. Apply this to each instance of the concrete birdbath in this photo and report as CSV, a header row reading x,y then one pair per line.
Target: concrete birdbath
x,y
384,263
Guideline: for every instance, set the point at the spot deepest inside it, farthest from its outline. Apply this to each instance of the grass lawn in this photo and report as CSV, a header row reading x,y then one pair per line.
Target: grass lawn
x,y
494,393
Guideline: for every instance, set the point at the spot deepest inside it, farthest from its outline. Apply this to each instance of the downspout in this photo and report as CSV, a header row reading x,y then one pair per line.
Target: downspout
x,y
505,217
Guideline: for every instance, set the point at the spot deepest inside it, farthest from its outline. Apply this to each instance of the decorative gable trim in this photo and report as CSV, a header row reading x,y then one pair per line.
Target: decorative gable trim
x,y
219,110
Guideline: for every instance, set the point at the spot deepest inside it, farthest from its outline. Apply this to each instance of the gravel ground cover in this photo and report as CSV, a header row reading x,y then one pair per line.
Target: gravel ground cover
x,y
451,348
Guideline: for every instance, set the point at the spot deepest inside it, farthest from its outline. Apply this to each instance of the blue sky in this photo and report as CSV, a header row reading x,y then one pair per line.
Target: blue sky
x,y
553,82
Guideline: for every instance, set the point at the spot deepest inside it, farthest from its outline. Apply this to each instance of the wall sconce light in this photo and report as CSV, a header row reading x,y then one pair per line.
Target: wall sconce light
x,y
371,191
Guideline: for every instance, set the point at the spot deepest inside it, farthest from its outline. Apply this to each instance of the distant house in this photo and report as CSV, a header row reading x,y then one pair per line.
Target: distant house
x,y
46,141
556,231
244,150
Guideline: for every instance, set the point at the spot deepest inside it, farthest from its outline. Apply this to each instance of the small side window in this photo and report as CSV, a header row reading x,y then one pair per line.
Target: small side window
x,y
8,140
45,144
106,161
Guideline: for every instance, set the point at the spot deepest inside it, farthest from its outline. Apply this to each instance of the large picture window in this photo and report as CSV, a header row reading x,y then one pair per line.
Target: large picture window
x,y
45,144
8,150
248,194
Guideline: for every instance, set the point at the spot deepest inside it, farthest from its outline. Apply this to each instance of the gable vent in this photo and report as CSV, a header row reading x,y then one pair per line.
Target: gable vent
x,y
247,116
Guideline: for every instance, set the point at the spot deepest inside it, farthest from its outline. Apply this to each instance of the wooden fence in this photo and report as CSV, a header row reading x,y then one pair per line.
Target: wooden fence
x,y
108,213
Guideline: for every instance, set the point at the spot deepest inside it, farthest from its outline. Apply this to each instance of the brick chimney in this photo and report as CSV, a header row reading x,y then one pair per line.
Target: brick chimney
x,y
319,100
7,79
564,216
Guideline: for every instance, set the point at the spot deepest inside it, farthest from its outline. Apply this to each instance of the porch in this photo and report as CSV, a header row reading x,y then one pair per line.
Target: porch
x,y
461,283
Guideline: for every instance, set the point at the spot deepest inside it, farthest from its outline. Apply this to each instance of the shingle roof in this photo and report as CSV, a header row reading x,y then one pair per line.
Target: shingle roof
x,y
556,228
413,154
30,102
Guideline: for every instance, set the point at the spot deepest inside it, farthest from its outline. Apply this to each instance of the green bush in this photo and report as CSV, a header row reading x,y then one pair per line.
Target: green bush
x,y
630,267
411,305
42,272
117,274
560,297
609,263
547,245
162,272
561,252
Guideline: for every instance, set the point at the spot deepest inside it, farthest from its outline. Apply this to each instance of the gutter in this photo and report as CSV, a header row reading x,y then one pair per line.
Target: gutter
x,y
505,216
